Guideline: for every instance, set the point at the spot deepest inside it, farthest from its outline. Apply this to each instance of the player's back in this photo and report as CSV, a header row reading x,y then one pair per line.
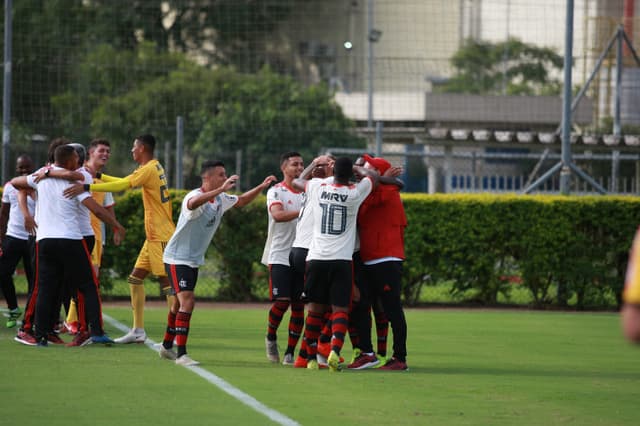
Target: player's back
x,y
158,220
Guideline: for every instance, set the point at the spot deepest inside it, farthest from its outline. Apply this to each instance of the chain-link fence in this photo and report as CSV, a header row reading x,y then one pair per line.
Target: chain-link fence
x,y
254,79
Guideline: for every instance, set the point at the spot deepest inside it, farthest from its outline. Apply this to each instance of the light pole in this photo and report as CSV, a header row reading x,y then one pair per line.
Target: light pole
x,y
373,35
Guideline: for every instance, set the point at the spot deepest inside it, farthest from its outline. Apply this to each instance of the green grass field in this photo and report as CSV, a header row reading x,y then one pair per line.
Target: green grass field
x,y
466,368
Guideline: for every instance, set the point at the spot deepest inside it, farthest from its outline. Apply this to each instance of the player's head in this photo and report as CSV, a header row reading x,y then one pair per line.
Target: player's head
x,y
66,156
24,165
291,164
52,148
213,174
378,164
143,147
343,169
148,141
82,154
99,152
323,167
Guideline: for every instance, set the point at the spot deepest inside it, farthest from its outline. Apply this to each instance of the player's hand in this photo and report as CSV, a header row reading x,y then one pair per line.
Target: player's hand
x,y
268,181
118,234
393,172
73,190
230,182
30,225
40,174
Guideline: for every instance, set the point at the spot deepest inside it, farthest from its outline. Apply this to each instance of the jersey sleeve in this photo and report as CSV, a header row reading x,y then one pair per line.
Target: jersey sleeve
x,y
113,186
141,175
108,200
5,193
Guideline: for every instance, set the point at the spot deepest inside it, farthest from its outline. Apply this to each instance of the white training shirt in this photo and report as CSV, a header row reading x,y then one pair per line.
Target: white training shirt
x,y
15,225
84,216
304,228
335,210
195,229
280,235
55,214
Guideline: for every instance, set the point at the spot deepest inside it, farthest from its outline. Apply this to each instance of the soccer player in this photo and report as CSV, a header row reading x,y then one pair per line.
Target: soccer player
x,y
200,215
158,225
381,224
329,278
283,207
14,241
99,153
61,248
320,168
630,314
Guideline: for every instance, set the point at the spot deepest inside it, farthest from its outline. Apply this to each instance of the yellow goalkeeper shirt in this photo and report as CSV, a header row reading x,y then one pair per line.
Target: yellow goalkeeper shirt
x,y
150,177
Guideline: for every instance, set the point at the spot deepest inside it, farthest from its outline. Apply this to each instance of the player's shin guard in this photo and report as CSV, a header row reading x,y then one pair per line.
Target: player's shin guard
x,y
276,313
170,332
296,323
311,333
182,331
339,324
137,300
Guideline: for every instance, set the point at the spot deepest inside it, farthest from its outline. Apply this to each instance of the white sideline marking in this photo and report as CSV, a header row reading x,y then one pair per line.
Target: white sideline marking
x,y
223,385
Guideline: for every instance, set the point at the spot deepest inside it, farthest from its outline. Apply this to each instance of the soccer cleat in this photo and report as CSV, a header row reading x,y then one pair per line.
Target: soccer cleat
x,y
169,354
184,360
272,350
14,314
356,353
25,338
364,361
312,364
287,359
324,349
394,363
80,339
300,362
71,327
53,338
135,335
382,359
334,361
103,339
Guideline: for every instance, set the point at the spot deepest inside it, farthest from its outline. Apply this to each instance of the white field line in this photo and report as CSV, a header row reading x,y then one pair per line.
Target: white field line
x,y
218,382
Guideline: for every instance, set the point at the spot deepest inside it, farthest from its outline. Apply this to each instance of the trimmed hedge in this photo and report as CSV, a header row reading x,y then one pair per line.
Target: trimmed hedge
x,y
576,246
559,248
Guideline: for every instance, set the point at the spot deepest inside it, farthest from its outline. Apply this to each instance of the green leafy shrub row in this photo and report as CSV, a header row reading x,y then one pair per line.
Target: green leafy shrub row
x,y
569,247
558,248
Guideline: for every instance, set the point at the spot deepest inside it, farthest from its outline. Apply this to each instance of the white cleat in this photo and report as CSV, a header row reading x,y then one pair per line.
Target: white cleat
x,y
167,353
272,350
135,335
184,360
287,359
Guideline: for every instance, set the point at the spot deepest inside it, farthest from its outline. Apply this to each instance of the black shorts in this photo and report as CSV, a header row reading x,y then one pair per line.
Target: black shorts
x,y
329,282
181,277
281,283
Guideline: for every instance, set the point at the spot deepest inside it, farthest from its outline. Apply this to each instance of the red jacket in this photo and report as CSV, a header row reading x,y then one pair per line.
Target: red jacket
x,y
381,223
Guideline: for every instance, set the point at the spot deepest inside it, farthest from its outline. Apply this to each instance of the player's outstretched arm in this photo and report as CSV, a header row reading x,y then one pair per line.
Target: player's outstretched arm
x,y
251,194
198,200
104,215
117,185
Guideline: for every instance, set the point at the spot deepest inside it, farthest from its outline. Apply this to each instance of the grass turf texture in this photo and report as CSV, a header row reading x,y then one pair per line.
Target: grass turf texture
x,y
466,367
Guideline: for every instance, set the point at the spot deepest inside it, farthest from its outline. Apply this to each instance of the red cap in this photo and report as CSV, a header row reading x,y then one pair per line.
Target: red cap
x,y
380,164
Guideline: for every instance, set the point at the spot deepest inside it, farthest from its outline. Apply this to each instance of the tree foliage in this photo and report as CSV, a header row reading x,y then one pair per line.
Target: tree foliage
x,y
225,111
511,67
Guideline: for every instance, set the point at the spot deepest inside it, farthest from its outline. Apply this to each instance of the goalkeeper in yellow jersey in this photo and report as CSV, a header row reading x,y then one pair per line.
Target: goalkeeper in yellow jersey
x,y
631,294
158,226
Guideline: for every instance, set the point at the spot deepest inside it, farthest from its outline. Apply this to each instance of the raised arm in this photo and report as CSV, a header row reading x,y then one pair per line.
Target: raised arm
x,y
251,194
116,185
205,197
64,174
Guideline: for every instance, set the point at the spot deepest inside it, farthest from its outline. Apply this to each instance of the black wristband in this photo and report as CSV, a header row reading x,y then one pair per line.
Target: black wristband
x,y
98,175
86,187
